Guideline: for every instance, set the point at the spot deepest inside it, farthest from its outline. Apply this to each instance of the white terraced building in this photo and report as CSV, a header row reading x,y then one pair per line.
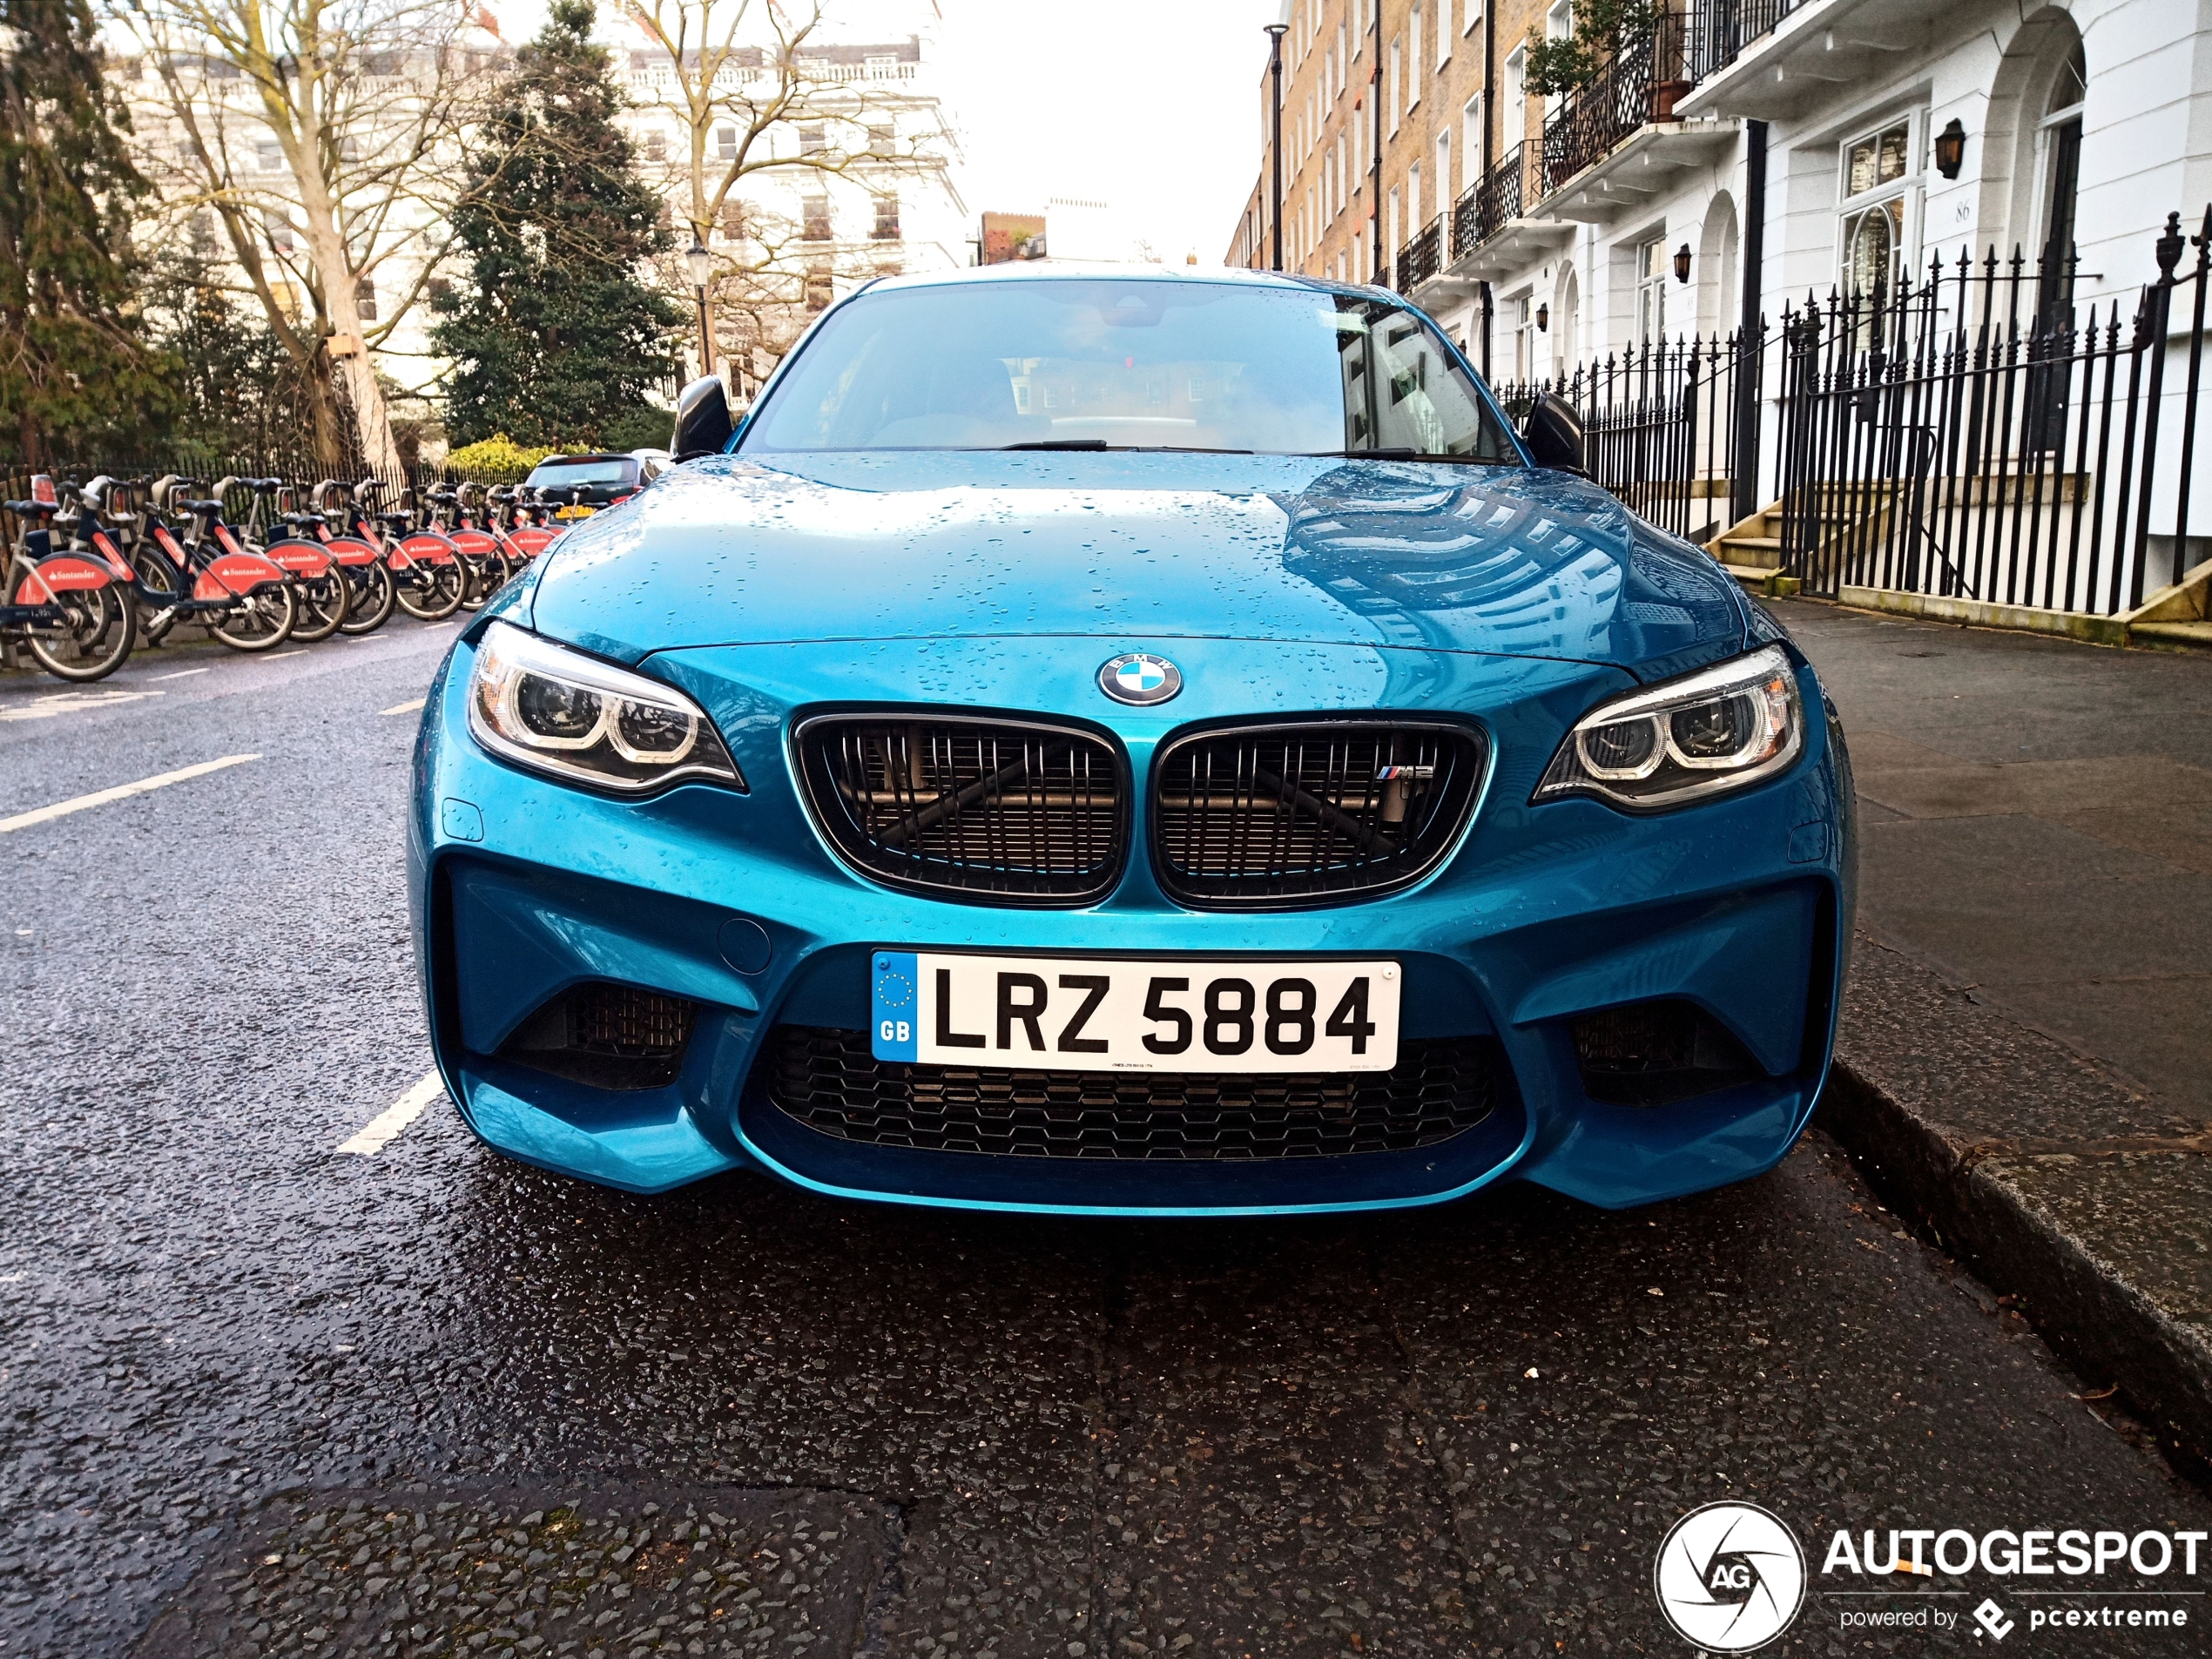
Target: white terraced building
x,y
1749,156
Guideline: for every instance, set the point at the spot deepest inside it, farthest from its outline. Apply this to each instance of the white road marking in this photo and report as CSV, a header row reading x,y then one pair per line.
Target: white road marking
x,y
182,673
405,708
372,1137
121,792
46,707
281,655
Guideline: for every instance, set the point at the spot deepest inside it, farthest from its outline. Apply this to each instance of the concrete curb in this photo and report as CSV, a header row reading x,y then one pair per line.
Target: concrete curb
x,y
2101,1323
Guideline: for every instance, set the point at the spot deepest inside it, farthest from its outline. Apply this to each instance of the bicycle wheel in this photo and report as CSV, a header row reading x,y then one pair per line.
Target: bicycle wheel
x,y
372,597
260,620
89,638
323,604
488,574
432,592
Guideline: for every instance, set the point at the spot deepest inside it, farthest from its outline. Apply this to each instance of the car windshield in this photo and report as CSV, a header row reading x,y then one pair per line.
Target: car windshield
x,y
555,474
1134,363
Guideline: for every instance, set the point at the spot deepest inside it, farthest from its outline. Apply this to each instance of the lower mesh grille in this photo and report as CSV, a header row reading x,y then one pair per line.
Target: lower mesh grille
x,y
828,1080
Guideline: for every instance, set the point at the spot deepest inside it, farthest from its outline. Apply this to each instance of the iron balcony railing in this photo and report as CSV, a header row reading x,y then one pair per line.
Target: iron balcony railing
x,y
1636,86
1488,203
1421,258
1720,29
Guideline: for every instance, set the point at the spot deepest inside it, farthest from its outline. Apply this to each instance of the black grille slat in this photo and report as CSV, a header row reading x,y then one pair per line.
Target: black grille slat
x,y
1310,813
995,809
828,1080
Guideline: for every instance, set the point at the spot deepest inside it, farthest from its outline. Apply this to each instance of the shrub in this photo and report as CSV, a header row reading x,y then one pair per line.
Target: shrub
x,y
496,460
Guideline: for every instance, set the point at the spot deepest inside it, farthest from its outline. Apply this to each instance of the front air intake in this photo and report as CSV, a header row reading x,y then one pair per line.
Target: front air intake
x,y
1655,1054
1318,812
990,811
606,1036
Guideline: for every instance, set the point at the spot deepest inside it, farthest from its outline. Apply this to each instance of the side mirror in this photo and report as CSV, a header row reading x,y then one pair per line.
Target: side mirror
x,y
702,420
1553,435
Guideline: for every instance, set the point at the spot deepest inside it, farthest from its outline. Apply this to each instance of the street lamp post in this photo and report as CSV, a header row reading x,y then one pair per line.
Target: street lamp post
x,y
1275,32
701,265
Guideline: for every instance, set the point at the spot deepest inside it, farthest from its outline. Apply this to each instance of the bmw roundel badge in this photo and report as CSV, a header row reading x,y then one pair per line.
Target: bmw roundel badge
x,y
1140,679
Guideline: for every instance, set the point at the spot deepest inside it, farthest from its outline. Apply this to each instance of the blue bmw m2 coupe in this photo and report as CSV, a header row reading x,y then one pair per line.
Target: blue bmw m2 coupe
x,y
1131,742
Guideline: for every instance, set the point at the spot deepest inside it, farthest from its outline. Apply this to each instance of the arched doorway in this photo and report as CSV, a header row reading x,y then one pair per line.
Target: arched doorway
x,y
1566,338
1717,257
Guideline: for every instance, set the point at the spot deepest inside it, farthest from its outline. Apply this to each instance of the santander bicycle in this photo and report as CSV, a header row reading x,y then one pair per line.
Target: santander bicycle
x,y
68,608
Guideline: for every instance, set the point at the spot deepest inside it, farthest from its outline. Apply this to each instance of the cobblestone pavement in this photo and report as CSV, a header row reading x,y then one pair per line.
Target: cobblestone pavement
x,y
258,1396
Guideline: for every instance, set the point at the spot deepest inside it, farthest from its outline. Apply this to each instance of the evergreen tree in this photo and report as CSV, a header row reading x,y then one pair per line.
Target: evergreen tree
x,y
554,338
72,370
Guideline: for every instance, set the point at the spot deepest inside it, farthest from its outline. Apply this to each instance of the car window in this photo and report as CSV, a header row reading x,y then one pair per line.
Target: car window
x,y
1130,363
556,475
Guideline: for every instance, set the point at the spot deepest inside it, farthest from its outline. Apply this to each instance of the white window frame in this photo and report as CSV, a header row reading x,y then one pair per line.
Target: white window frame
x,y
1651,289
1444,197
2040,212
1474,18
1413,81
1909,190
1397,87
1414,217
1514,117
1443,32
1390,225
1472,133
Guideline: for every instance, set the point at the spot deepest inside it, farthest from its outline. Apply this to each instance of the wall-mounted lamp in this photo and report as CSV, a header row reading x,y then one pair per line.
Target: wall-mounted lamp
x,y
1681,263
1543,318
1951,149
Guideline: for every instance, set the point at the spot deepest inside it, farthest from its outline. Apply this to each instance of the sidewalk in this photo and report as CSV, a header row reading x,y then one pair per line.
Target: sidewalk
x,y
2026,1060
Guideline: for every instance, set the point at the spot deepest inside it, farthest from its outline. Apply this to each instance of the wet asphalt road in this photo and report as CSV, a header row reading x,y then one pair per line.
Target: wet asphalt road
x,y
256,1396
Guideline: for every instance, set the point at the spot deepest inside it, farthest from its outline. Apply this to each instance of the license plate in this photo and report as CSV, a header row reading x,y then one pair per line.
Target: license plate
x,y
1070,1014
576,512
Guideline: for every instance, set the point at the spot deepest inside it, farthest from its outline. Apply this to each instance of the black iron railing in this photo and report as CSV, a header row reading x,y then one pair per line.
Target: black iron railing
x,y
1663,426
1488,203
1636,87
1720,29
1421,258
1974,434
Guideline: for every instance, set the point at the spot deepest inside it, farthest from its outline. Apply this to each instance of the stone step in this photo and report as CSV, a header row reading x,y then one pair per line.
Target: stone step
x,y
1764,579
2194,635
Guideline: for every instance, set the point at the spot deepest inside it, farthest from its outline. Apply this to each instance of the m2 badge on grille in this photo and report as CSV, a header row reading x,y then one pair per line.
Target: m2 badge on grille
x,y
1068,1014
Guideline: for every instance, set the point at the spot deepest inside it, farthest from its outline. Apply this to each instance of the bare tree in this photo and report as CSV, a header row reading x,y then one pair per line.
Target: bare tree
x,y
320,135
757,101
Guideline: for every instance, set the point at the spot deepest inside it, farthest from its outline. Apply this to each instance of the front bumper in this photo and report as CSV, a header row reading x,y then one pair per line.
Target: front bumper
x,y
522,887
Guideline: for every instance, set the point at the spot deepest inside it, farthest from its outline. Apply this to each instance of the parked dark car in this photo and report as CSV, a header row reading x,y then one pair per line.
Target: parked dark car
x,y
596,481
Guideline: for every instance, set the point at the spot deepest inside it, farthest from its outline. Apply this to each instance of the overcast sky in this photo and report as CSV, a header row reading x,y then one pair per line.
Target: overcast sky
x,y
1151,106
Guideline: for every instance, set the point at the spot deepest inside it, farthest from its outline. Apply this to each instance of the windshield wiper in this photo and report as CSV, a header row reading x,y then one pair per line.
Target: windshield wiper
x,y
1399,455
1095,445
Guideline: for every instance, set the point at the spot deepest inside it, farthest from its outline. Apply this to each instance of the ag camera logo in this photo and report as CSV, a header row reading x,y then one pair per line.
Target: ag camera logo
x,y
1729,1577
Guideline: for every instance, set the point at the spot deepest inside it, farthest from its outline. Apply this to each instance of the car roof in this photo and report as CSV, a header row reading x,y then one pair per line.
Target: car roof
x,y
560,461
1064,270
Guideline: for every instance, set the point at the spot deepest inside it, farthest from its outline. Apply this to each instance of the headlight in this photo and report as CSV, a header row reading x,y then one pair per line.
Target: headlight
x,y
555,711
1722,728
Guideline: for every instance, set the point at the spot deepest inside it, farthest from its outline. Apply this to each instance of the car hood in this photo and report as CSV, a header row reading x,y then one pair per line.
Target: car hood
x,y
1137,548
